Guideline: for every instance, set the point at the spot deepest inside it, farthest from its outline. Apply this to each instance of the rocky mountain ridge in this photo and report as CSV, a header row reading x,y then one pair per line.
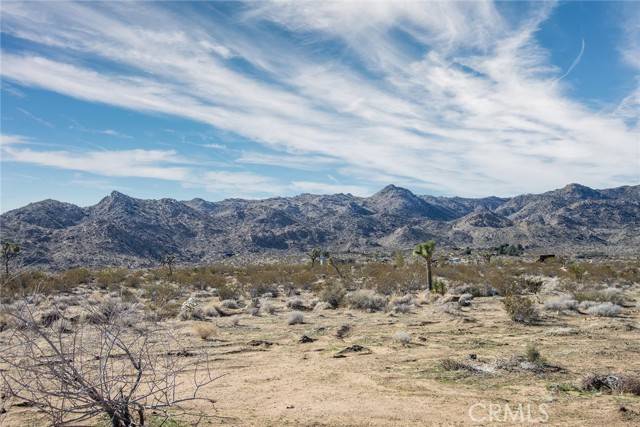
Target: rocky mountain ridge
x,y
125,231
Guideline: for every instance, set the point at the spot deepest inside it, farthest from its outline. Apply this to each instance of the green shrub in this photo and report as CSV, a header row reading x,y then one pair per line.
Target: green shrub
x,y
439,287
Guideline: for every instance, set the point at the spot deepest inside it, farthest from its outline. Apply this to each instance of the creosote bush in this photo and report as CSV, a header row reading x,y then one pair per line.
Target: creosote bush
x,y
520,308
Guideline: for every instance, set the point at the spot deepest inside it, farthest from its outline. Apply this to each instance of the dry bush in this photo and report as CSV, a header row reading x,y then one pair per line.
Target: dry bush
x,y
402,337
533,355
110,277
296,304
76,276
295,318
100,370
465,300
520,308
366,299
605,309
333,293
204,330
230,304
611,295
616,383
561,303
267,307
191,310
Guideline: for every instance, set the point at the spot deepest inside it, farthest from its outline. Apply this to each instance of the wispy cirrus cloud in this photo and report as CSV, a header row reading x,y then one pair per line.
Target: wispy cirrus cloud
x,y
450,97
158,164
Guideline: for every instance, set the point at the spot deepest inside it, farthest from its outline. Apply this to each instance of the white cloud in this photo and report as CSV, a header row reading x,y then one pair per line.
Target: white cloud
x,y
472,110
125,163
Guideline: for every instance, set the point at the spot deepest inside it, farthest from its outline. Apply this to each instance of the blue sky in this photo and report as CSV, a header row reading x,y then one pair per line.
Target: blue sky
x,y
262,99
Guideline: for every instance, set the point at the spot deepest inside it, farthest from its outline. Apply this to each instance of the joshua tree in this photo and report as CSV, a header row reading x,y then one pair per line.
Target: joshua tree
x,y
314,255
9,251
168,261
426,250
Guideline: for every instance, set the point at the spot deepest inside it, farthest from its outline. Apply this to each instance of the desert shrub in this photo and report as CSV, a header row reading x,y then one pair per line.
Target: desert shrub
x,y
295,318
303,278
402,337
520,308
454,365
48,316
62,326
109,277
366,299
203,330
230,303
439,287
267,307
191,310
612,295
533,355
161,293
296,304
617,383
465,300
402,304
228,291
576,270
561,303
531,284
333,293
605,309
76,276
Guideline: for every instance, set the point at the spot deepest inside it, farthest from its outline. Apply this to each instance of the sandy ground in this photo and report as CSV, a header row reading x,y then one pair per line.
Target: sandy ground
x,y
303,384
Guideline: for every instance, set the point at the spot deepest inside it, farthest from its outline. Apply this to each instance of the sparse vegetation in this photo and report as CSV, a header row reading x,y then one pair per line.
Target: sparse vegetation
x,y
385,304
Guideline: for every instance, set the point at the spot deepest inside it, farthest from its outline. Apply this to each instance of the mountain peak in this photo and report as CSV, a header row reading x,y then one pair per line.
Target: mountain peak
x,y
579,190
394,190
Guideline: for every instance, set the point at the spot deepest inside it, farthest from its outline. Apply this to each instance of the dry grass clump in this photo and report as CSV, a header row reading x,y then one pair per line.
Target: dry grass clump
x,y
366,299
613,383
203,330
295,318
402,337
520,309
561,303
605,309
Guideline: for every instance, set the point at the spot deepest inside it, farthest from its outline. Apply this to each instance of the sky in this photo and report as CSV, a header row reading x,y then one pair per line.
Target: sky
x,y
265,99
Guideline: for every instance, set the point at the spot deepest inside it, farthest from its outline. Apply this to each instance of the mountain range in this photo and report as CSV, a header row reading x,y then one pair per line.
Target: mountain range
x,y
125,231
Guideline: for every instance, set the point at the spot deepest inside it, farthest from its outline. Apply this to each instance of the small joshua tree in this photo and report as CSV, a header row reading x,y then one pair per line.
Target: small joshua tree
x,y
168,261
426,251
314,254
10,250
